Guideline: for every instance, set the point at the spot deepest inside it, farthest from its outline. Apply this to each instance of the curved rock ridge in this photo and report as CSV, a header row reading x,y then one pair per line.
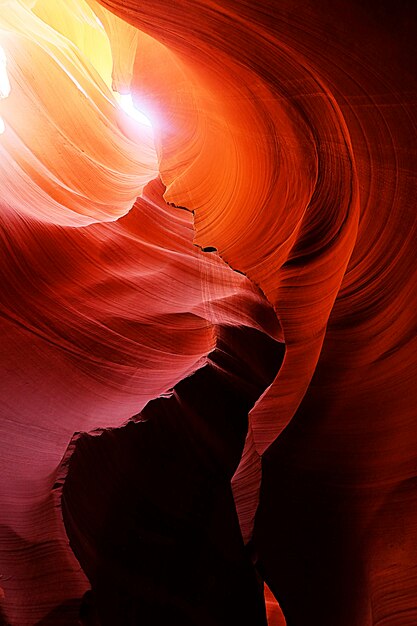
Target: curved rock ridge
x,y
299,162
69,153
288,130
96,322
277,200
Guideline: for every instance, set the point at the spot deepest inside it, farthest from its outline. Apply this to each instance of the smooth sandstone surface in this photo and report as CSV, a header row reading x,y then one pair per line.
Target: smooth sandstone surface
x,y
239,278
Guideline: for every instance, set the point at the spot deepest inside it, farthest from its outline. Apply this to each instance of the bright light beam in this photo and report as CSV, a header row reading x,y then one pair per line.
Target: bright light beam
x,y
4,79
127,105
4,83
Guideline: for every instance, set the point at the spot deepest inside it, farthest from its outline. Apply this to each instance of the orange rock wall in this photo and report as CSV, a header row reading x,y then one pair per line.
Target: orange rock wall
x,y
287,130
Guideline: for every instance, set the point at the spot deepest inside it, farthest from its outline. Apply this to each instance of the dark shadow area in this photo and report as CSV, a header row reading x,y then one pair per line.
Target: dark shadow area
x,y
305,544
149,509
3,620
66,614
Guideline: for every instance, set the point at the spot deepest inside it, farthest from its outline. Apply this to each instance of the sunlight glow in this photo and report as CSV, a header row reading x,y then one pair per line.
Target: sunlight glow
x,y
127,105
4,79
4,83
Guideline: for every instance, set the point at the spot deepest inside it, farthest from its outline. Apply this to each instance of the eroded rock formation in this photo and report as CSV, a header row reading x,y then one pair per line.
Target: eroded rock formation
x,y
240,277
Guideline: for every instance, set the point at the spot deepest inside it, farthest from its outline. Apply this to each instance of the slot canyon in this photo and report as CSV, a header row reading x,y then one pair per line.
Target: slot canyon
x,y
208,313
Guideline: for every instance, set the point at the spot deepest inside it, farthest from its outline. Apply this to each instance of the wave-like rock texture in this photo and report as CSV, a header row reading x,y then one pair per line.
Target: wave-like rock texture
x,y
288,130
60,167
315,104
96,322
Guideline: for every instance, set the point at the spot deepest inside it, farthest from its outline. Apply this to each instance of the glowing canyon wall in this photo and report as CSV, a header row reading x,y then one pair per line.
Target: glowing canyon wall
x,y
208,347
